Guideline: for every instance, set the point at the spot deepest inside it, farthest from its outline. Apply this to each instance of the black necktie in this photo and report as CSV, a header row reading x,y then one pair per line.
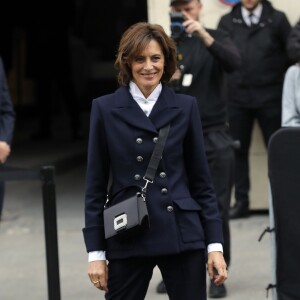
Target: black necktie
x,y
251,19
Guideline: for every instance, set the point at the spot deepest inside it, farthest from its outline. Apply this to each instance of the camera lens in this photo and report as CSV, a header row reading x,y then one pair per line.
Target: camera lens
x,y
177,29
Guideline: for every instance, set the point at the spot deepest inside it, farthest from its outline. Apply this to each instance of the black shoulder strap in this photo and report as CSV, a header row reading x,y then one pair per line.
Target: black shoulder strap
x,y
156,155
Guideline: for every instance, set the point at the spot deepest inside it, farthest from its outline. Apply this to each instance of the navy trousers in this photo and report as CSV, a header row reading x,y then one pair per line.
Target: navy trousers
x,y
184,276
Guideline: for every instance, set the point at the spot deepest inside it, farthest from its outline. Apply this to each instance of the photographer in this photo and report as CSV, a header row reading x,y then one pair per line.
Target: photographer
x,y
204,55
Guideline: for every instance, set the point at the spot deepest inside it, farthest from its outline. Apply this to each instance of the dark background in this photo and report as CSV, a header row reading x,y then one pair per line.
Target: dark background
x,y
43,36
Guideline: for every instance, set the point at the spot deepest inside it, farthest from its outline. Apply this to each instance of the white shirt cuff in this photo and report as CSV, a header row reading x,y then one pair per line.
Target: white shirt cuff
x,y
215,247
97,255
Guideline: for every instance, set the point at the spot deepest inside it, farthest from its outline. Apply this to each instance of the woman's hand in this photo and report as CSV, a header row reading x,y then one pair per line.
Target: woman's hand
x,y
97,271
4,151
217,268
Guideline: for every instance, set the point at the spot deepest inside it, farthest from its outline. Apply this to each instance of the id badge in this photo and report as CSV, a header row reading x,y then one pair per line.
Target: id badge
x,y
187,79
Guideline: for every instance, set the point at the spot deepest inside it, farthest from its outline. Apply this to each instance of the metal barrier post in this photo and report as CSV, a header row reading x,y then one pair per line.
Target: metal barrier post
x,y
46,175
49,207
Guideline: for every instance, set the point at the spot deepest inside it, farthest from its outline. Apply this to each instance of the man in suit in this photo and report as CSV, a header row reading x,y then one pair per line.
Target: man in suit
x,y
7,120
260,33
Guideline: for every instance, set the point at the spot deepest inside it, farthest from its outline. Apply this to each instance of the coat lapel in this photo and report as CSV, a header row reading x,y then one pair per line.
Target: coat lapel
x,y
128,110
163,112
165,109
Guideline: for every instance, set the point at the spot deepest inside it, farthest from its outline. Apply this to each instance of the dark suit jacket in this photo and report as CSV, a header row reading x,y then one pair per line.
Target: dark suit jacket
x,y
7,115
293,44
258,82
182,205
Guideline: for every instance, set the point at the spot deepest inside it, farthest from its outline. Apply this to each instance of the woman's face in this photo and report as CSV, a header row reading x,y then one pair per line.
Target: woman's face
x,y
148,67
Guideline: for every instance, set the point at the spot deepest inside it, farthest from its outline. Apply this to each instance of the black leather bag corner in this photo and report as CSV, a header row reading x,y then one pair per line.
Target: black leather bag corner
x,y
127,218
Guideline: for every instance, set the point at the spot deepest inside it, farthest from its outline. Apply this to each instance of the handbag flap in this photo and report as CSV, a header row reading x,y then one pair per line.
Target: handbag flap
x,y
123,193
124,215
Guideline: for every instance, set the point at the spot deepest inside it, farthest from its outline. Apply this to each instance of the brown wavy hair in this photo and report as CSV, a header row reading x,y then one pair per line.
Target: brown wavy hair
x,y
134,40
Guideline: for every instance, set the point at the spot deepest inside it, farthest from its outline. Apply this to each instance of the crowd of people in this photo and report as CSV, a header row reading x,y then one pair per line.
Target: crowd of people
x,y
254,58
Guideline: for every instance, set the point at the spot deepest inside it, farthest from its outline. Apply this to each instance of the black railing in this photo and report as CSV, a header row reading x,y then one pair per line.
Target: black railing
x,y
46,175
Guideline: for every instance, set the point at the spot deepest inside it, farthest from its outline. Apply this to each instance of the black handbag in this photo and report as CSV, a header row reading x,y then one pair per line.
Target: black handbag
x,y
129,217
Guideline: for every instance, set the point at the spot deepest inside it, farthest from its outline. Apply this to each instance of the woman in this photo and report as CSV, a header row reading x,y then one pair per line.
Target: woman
x,y
291,97
184,217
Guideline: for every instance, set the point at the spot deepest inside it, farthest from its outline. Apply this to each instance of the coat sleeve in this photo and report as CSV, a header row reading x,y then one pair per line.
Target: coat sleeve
x,y
293,44
225,51
283,29
224,24
7,114
199,178
97,176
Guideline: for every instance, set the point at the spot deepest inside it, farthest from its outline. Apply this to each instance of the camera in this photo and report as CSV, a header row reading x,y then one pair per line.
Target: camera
x,y
177,29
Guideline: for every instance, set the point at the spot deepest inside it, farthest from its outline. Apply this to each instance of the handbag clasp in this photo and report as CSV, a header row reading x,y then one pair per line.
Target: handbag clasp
x,y
120,222
146,184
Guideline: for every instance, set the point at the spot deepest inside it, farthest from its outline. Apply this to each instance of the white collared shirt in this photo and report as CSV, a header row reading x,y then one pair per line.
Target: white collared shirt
x,y
256,14
146,104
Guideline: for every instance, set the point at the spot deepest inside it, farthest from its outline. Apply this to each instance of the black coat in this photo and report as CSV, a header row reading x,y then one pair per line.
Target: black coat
x,y
208,66
258,83
293,46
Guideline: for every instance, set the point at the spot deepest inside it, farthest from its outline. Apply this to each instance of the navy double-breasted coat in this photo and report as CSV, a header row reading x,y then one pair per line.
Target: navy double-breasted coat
x,y
181,201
